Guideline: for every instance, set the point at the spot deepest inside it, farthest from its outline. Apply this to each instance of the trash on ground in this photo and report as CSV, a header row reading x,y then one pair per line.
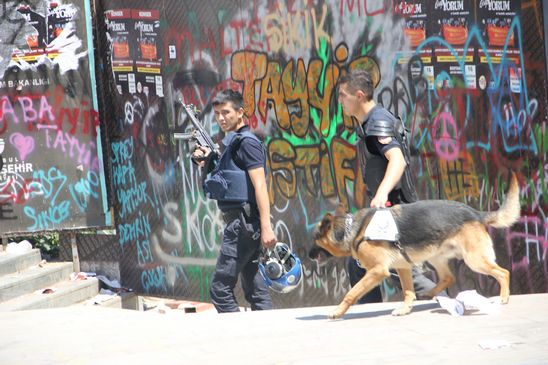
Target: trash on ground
x,y
19,247
453,306
467,300
113,284
103,296
46,290
81,275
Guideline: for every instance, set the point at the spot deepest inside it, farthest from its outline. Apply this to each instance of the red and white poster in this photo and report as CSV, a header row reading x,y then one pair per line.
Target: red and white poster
x,y
148,62
452,21
119,31
416,30
495,19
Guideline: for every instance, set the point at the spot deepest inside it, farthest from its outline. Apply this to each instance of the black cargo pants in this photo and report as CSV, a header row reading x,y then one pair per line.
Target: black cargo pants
x,y
238,258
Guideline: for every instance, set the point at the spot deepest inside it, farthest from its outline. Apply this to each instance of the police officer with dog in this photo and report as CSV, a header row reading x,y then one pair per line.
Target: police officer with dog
x,y
383,159
237,180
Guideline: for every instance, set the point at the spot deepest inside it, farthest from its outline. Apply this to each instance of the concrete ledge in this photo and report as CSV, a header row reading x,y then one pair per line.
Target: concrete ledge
x,y
11,263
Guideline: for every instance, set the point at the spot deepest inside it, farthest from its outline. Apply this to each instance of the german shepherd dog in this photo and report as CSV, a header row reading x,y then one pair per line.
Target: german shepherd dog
x,y
430,230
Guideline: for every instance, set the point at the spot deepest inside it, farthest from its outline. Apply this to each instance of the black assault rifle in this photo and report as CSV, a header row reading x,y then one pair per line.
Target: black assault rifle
x,y
198,134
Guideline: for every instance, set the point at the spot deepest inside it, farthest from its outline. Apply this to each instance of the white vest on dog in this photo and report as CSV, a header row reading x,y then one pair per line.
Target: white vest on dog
x,y
382,227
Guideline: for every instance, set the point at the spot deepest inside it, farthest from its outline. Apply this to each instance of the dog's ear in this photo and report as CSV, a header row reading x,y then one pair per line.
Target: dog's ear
x,y
339,221
341,210
339,225
326,223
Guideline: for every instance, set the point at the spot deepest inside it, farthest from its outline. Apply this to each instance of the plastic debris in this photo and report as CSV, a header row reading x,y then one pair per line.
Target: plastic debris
x,y
466,301
81,275
472,300
19,247
453,306
113,284
103,296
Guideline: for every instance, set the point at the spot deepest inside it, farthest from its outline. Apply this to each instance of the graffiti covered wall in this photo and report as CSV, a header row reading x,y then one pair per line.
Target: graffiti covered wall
x,y
52,176
467,77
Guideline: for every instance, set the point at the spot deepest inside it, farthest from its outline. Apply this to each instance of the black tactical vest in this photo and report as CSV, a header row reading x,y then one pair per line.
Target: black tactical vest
x,y
228,183
374,165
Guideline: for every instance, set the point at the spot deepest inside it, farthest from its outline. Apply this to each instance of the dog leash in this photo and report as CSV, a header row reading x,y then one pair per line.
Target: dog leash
x,y
403,252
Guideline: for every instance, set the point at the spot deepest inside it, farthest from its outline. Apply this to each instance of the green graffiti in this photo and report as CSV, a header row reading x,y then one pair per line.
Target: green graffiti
x,y
201,276
541,138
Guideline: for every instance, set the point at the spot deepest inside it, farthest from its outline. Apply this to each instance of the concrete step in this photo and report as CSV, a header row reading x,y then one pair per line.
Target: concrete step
x,y
63,294
33,278
11,263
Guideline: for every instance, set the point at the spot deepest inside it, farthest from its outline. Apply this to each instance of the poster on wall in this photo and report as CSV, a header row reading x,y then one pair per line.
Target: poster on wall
x,y
52,176
451,21
148,56
495,19
119,34
134,39
48,25
416,29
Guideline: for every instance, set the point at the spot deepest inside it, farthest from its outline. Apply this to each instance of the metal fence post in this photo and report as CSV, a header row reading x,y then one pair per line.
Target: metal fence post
x,y
75,257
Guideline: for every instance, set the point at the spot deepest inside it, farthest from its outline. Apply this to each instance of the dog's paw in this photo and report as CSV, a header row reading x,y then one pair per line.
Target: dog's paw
x,y
339,311
335,315
504,300
402,311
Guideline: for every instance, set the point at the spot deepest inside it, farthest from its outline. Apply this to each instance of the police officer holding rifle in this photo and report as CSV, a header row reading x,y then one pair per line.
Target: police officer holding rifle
x,y
236,178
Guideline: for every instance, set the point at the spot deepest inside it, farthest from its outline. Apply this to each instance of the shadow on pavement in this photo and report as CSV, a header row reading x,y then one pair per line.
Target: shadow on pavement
x,y
384,312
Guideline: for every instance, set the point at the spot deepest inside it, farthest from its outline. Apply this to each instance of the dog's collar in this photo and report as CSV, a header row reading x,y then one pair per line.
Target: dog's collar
x,y
349,220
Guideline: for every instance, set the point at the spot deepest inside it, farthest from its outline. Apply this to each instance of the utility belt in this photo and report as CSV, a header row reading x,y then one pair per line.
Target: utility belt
x,y
249,213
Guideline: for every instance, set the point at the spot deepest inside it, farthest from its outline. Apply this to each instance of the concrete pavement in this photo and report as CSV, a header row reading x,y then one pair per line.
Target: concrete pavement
x,y
368,334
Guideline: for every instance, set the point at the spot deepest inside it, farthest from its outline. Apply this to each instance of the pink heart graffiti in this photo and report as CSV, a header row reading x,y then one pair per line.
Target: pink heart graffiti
x,y
24,145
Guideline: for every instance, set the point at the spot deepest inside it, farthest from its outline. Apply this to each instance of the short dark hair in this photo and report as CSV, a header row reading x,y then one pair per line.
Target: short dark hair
x,y
359,80
229,96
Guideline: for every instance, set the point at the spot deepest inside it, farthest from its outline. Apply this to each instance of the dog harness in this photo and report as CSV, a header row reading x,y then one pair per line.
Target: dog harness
x,y
382,227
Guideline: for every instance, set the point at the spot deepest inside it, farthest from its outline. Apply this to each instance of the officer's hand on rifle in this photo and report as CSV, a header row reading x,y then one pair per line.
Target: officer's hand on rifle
x,y
200,155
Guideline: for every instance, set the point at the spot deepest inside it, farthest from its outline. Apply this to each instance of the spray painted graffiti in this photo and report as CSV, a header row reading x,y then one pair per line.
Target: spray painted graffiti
x,y
52,177
471,122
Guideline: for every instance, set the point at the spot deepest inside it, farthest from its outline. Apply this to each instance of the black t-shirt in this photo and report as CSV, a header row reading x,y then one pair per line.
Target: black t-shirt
x,y
250,154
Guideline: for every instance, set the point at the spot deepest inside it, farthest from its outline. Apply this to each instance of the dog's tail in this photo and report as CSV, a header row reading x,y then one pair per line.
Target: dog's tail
x,y
509,212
